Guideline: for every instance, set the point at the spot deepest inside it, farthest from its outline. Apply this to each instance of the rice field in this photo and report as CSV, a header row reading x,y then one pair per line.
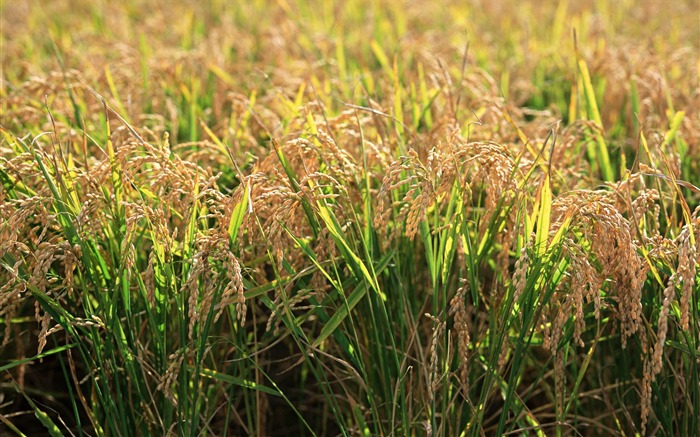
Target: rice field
x,y
354,218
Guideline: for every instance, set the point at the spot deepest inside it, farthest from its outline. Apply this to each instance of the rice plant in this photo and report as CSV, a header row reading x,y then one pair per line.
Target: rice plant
x,y
368,218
